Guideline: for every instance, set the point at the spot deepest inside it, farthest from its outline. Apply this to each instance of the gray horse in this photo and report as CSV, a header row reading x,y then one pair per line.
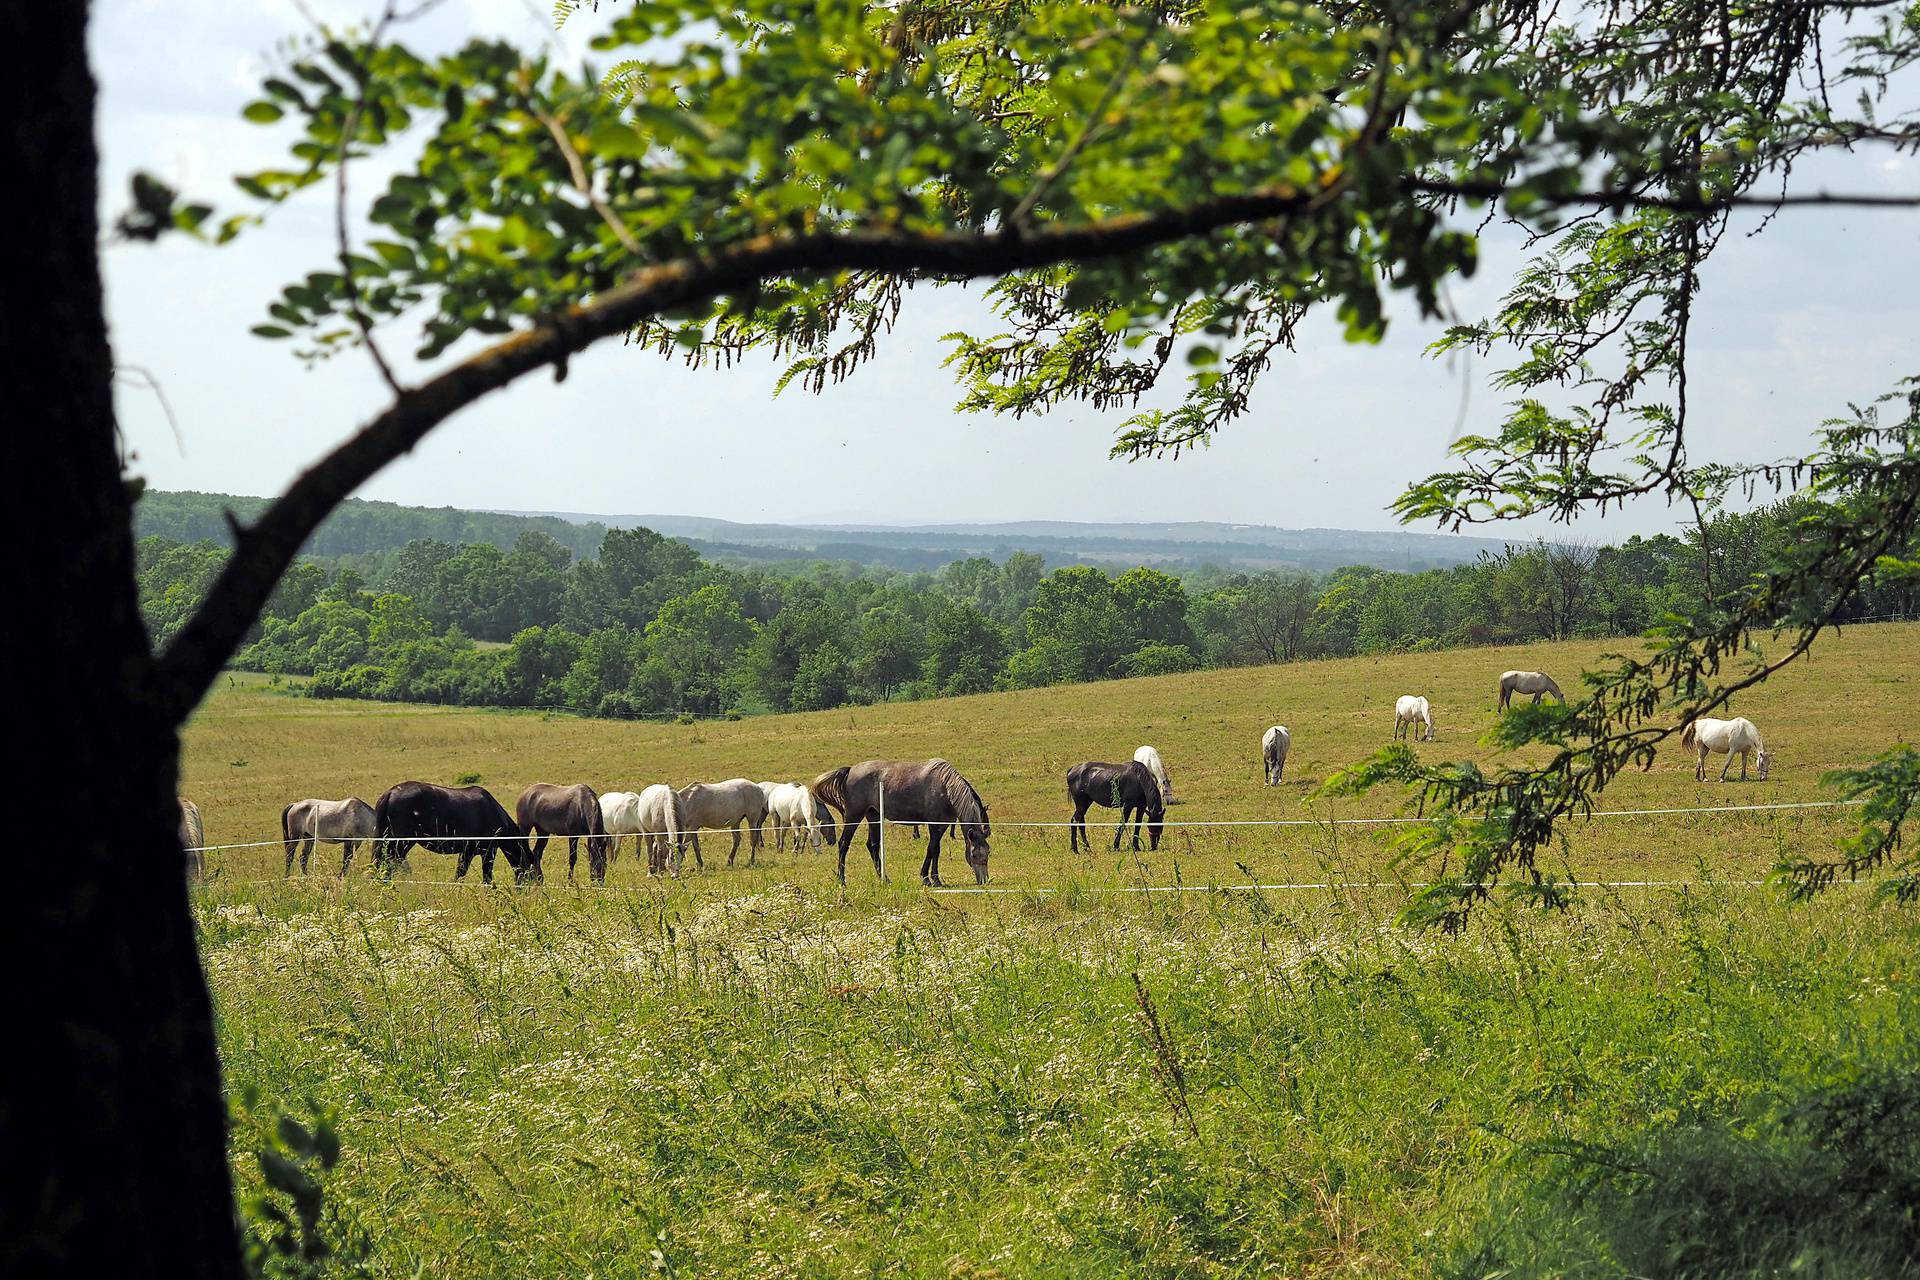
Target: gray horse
x,y
305,823
721,805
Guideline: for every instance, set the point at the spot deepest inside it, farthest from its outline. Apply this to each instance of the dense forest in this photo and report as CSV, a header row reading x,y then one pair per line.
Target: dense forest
x,y
647,627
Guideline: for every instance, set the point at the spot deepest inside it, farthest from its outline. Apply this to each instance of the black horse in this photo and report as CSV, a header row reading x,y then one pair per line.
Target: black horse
x,y
430,816
1128,787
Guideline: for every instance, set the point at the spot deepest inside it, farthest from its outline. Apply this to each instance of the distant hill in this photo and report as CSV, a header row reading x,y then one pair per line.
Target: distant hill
x,y
358,526
1171,545
361,527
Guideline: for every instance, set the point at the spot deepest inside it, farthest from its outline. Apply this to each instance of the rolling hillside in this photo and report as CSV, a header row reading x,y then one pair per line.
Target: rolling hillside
x,y
252,748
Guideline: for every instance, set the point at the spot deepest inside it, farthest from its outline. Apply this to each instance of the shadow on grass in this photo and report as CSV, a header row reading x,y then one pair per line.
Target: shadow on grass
x,y
1829,1189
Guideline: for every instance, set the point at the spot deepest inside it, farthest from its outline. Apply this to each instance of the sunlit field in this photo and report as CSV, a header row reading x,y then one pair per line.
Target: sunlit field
x,y
748,1071
253,748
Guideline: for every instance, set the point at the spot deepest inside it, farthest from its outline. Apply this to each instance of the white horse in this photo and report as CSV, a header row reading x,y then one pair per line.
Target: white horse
x,y
193,837
306,823
724,805
1409,709
1151,758
658,822
792,807
620,815
1732,737
1274,745
1533,682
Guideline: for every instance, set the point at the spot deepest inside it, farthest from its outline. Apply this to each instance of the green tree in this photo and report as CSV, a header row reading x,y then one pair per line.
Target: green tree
x,y
890,651
1154,604
1074,609
692,645
823,679
966,649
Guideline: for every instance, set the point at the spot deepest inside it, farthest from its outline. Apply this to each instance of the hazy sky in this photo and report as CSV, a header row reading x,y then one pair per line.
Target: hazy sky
x,y
1820,310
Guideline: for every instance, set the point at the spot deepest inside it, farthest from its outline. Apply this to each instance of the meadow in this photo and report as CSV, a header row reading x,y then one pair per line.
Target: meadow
x,y
752,1071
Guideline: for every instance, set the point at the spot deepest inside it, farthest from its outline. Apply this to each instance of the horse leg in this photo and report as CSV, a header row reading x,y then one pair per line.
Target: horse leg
x,y
486,865
873,845
847,830
930,865
1728,765
465,861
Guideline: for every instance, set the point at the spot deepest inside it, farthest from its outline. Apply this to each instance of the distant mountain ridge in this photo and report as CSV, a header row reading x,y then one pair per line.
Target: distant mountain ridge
x,y
1172,544
361,526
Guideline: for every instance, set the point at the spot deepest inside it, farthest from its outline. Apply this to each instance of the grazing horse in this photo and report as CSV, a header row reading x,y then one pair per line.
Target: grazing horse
x,y
193,838
926,791
660,827
431,816
620,815
1409,709
304,824
1274,745
792,807
1533,682
546,809
1151,758
1128,787
717,805
1732,737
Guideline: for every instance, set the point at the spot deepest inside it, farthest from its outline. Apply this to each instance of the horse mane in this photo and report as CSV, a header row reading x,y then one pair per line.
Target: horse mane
x,y
830,788
968,808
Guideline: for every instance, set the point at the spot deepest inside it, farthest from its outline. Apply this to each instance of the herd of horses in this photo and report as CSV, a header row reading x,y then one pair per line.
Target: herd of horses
x,y
468,822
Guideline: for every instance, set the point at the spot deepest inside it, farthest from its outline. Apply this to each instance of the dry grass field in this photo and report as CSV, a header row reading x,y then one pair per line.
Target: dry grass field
x,y
252,748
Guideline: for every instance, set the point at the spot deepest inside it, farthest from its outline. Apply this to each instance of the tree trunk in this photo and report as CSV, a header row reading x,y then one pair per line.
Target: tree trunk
x,y
112,1123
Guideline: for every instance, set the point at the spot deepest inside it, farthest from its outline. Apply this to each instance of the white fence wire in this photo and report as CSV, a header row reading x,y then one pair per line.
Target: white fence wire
x,y
770,829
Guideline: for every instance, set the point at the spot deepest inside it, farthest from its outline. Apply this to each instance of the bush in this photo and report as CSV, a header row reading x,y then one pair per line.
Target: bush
x,y
1829,1188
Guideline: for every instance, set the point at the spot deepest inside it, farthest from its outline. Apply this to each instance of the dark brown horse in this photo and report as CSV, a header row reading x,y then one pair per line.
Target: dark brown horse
x,y
925,791
432,816
1128,787
546,809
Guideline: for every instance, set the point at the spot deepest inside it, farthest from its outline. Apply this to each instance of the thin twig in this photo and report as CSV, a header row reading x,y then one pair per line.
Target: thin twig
x,y
1092,127
152,384
578,169
361,321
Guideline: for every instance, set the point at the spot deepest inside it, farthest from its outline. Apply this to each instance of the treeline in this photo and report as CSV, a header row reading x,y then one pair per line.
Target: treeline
x,y
648,628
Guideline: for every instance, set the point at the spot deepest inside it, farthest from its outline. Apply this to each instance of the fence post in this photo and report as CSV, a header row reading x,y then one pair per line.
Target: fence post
x,y
883,830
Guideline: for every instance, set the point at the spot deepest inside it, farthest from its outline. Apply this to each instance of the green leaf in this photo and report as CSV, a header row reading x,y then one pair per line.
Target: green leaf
x,y
263,112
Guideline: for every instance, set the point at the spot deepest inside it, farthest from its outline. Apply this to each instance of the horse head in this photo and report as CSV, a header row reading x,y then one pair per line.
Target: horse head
x,y
1763,758
977,849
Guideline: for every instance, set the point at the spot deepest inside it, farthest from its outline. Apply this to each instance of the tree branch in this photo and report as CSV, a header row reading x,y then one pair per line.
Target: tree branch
x,y
264,550
1631,199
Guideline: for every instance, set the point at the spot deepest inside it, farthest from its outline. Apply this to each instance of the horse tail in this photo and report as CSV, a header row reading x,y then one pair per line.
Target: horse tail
x,y
830,788
286,826
1689,733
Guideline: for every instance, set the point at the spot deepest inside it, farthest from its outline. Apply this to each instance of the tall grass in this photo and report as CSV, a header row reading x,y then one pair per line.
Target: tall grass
x,y
793,1083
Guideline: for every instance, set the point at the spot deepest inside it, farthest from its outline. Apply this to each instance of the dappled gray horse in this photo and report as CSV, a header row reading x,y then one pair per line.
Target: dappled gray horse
x,y
305,823
718,805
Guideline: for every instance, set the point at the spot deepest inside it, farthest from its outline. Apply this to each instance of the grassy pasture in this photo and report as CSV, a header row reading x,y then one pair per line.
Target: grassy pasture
x,y
749,1072
252,749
